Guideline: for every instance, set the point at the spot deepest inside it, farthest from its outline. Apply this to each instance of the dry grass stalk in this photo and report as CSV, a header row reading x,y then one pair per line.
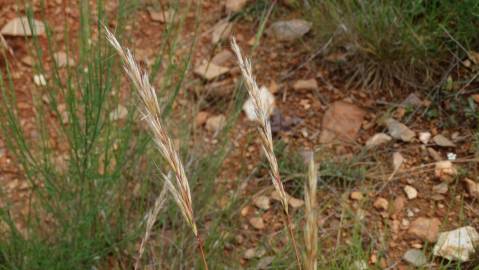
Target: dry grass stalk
x,y
264,130
151,219
311,225
179,188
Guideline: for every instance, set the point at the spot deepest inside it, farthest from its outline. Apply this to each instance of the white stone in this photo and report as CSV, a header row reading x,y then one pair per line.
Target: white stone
x,y
415,257
411,192
424,137
39,80
457,245
378,139
262,202
215,123
257,223
290,30
266,98
399,131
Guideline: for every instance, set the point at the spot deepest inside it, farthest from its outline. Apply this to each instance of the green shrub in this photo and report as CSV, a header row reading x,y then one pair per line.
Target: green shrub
x,y
405,42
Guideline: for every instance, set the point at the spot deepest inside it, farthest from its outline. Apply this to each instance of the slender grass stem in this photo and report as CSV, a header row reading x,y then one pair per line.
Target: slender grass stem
x,y
202,252
289,225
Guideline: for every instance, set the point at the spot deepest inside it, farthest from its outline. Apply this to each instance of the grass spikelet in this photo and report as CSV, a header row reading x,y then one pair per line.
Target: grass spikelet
x,y
264,131
150,221
150,108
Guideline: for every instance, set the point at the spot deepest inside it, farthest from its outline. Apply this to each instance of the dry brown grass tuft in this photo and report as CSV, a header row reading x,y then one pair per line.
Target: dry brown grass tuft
x,y
179,188
264,131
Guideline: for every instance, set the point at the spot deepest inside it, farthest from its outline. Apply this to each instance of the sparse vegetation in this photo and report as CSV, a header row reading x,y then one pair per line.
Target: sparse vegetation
x,y
111,170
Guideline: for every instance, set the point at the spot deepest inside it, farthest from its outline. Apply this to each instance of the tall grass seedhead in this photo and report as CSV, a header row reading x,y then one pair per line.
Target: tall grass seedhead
x,y
179,188
266,137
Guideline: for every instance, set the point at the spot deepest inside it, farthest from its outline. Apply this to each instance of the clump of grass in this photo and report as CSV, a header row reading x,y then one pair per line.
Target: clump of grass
x,y
397,42
179,188
264,131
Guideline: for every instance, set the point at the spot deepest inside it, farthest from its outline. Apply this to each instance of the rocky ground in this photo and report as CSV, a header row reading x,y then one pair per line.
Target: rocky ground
x,y
416,189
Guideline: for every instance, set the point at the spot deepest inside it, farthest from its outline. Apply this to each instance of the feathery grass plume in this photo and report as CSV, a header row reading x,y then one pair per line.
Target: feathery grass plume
x,y
264,127
151,219
311,225
179,188
264,130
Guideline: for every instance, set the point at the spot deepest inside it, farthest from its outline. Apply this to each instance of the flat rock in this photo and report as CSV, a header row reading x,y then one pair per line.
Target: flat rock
x,y
310,84
341,121
415,257
411,192
210,71
266,98
457,245
356,196
398,160
290,30
426,229
222,57
441,188
399,131
434,154
221,30
443,141
215,123
262,202
257,223
20,26
445,171
381,204
235,5
378,139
